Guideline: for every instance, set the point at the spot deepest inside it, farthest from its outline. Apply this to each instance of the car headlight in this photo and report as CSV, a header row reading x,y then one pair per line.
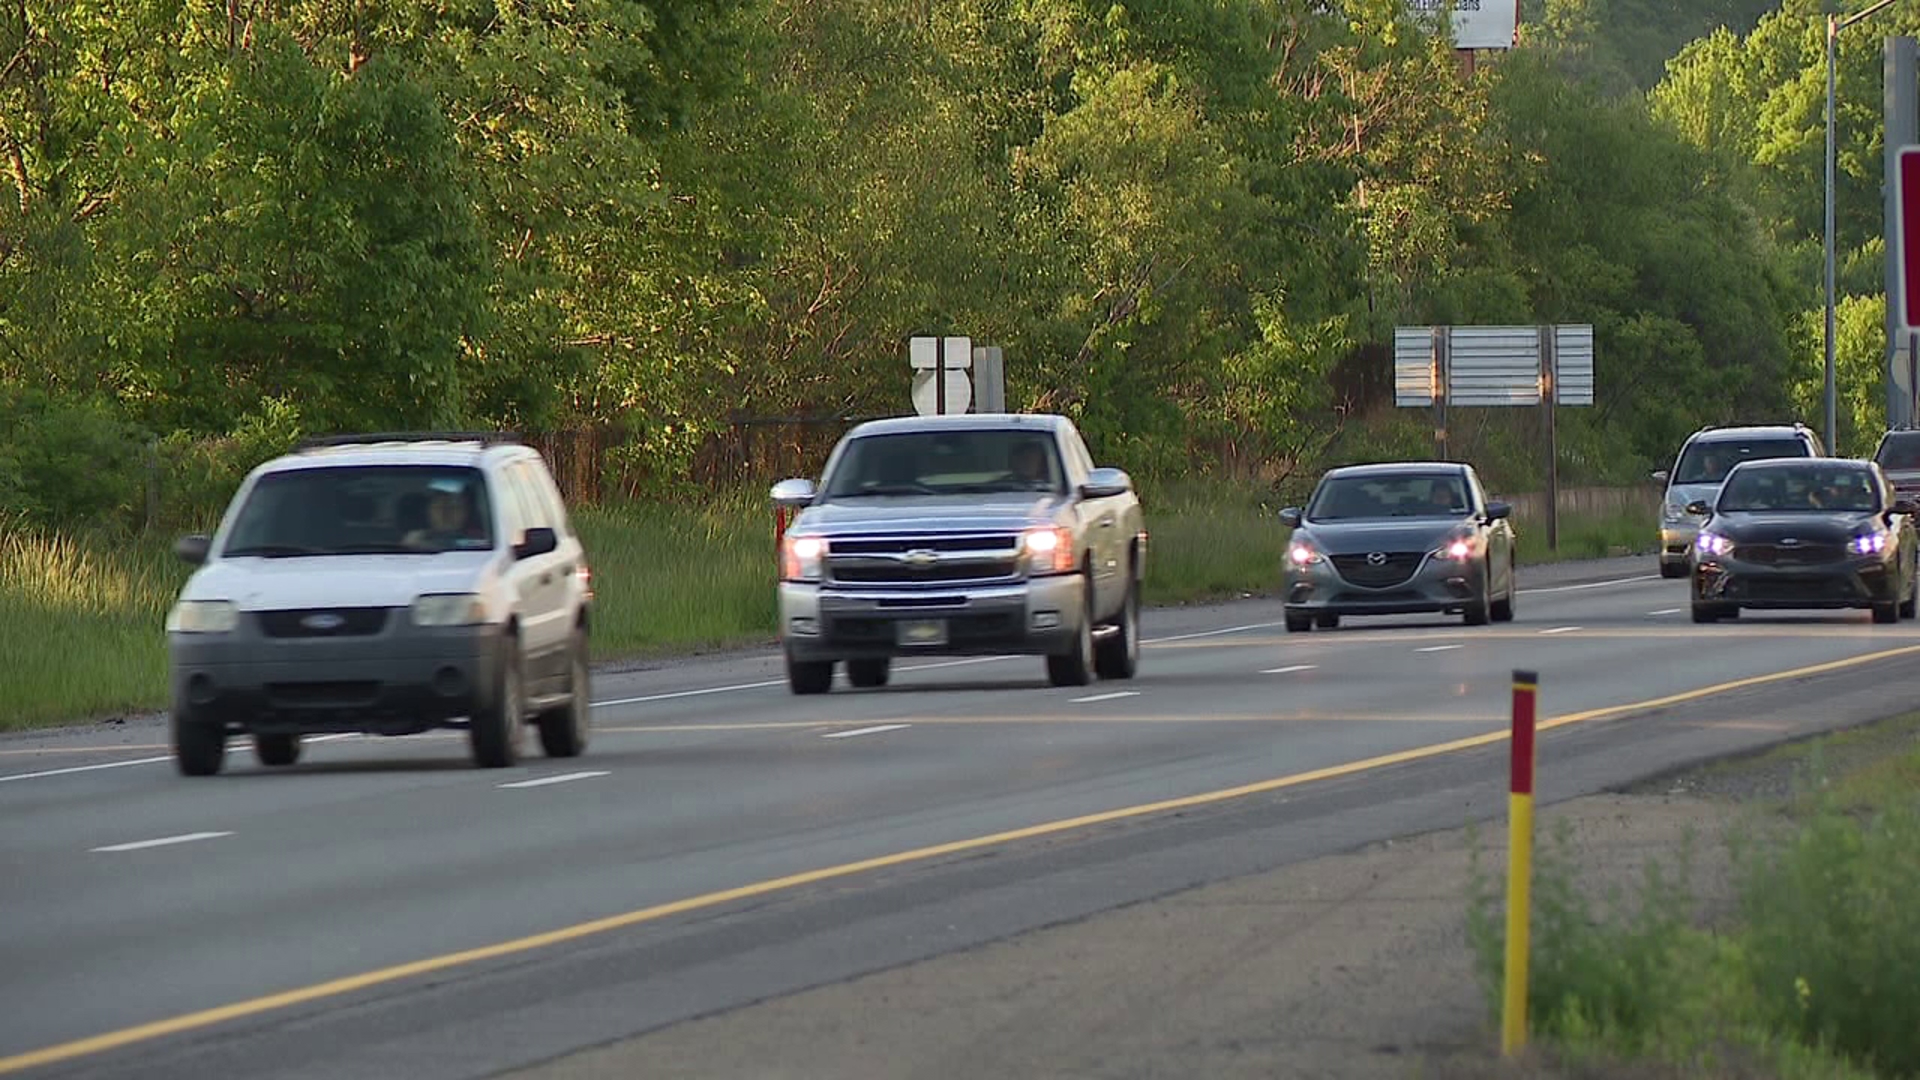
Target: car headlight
x,y
1458,549
1048,551
1711,543
203,617
1869,543
803,558
1302,553
448,609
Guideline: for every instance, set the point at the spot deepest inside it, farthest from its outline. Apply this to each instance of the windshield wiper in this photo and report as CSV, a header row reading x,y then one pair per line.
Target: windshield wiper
x,y
888,489
276,551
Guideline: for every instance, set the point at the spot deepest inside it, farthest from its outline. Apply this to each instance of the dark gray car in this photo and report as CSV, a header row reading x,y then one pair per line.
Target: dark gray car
x,y
1395,539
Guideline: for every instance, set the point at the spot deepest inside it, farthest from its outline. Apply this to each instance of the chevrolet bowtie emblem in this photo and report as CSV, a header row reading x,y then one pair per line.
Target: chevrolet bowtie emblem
x,y
920,557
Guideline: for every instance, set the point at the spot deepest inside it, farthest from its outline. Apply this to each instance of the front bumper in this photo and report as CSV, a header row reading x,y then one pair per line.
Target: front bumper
x,y
1036,616
1852,583
1676,541
399,680
1436,584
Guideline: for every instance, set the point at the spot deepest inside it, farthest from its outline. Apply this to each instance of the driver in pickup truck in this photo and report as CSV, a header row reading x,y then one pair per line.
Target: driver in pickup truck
x,y
1028,464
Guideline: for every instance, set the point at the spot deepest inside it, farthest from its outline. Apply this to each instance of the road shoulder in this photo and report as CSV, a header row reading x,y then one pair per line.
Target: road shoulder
x,y
1354,965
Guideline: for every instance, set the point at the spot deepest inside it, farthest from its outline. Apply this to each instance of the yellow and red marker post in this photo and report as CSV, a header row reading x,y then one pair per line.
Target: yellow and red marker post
x,y
1513,1027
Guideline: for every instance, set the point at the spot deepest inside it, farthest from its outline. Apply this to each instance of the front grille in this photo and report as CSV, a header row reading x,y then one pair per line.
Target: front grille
x,y
1768,587
354,622
940,559
1795,555
1394,569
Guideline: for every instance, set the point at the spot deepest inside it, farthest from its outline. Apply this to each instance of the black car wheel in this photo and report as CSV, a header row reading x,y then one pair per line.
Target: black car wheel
x,y
1503,607
809,676
199,746
1299,624
1911,605
563,729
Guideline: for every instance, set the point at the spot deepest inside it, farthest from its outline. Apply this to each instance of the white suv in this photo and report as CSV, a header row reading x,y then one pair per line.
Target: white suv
x,y
384,584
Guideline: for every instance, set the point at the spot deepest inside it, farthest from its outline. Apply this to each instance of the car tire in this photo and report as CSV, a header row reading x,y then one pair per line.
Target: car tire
x,y
809,676
1479,610
1888,612
1075,666
1705,613
565,728
1299,624
870,672
1910,607
495,730
276,750
199,747
1118,656
1503,607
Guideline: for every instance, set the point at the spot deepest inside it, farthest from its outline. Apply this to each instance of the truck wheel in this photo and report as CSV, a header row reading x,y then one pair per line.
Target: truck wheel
x,y
495,730
1075,666
1118,656
809,676
276,749
563,730
869,672
199,747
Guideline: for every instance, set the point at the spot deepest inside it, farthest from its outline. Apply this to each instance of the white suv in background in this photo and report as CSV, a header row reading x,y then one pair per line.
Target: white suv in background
x,y
384,584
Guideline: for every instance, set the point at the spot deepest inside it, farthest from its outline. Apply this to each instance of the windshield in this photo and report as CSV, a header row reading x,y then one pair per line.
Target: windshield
x,y
1397,495
946,463
1812,489
1899,451
1709,461
359,510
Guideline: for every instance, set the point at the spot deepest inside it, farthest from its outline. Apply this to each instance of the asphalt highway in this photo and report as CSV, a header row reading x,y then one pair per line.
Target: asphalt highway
x,y
383,908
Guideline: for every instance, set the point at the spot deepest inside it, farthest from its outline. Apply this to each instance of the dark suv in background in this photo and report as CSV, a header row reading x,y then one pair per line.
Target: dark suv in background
x,y
1898,455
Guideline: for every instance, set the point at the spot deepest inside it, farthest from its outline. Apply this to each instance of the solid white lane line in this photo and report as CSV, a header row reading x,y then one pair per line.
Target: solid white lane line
x,y
563,778
875,730
85,768
1594,584
1211,633
1289,669
184,838
1115,696
1562,630
1440,648
1666,611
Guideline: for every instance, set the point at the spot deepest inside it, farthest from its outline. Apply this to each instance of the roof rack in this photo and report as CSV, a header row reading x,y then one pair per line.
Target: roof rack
x,y
484,438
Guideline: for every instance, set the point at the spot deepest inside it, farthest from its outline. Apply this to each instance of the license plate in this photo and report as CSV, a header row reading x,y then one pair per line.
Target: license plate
x,y
923,632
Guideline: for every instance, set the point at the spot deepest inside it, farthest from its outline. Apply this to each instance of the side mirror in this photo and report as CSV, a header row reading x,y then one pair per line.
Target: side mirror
x,y
1106,483
1290,517
538,541
1497,511
193,549
1905,506
1660,476
1698,507
794,493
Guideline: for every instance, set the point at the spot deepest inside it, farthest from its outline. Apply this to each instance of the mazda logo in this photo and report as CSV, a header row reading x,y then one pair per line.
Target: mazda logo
x,y
920,558
324,621
1377,558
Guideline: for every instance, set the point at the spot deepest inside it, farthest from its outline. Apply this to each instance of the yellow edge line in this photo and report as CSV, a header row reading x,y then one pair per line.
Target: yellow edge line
x,y
333,988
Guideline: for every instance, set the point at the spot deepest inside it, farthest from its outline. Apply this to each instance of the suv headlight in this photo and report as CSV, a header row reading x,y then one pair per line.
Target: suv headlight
x,y
1456,548
1048,551
802,558
1303,553
1711,543
203,617
448,609
1872,543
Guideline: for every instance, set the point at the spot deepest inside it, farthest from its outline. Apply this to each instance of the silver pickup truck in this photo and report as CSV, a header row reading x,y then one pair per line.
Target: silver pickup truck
x,y
964,535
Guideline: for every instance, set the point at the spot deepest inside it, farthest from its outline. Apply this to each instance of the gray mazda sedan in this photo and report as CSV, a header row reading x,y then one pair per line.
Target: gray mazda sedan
x,y
1397,539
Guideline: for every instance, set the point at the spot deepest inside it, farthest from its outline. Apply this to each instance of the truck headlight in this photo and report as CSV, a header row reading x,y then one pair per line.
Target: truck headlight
x,y
803,558
1048,551
448,609
203,617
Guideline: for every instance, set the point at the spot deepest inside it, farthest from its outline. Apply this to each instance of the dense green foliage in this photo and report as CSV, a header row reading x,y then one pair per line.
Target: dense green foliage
x,y
1191,223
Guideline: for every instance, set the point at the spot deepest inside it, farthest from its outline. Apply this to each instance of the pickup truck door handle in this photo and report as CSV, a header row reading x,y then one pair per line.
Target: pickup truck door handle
x,y
1106,523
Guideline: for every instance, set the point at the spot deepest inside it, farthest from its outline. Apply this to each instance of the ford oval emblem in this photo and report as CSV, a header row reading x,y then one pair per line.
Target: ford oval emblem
x,y
1790,541
324,621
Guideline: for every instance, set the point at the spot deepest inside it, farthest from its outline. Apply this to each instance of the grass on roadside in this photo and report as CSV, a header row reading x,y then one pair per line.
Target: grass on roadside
x,y
1814,978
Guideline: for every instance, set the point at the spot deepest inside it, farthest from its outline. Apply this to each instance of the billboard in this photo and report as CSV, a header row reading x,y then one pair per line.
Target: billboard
x,y
1477,24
